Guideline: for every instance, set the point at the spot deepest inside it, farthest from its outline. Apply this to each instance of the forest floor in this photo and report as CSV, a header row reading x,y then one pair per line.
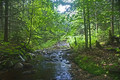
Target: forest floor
x,y
95,64
105,60
92,64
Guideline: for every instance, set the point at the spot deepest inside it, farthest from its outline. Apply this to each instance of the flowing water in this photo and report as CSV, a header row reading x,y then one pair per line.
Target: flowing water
x,y
61,66
54,67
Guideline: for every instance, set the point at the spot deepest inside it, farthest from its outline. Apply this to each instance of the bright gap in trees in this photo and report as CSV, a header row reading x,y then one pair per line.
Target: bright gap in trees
x,y
63,6
62,9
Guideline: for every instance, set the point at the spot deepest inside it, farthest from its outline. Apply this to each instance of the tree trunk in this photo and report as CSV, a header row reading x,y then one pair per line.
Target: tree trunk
x,y
0,9
119,26
112,20
85,28
119,18
1,15
31,20
75,41
88,16
96,24
119,4
6,22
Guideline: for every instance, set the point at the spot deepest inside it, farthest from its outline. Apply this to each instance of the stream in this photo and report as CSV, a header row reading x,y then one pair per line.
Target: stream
x,y
61,66
55,67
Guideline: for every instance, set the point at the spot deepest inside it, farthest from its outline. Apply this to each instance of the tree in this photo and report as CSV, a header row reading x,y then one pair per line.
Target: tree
x,y
1,14
85,27
6,22
88,21
112,19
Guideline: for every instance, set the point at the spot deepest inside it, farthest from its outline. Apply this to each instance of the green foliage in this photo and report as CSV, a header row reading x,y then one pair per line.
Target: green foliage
x,y
79,40
10,53
89,64
49,43
93,39
103,36
117,49
86,63
43,23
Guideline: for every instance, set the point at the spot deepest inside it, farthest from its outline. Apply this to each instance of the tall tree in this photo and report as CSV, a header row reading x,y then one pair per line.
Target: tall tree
x,y
88,22
112,19
1,15
6,21
96,21
85,26
31,22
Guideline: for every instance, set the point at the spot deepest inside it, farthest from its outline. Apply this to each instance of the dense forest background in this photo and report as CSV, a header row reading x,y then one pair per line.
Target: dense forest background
x,y
28,25
37,22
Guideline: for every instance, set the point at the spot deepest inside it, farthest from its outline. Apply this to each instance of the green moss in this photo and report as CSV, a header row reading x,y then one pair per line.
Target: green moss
x,y
10,52
86,63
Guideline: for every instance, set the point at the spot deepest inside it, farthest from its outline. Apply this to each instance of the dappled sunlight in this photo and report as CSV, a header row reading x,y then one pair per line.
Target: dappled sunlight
x,y
59,39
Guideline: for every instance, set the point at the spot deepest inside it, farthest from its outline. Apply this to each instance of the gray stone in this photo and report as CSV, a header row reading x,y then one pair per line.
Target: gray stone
x,y
18,66
27,65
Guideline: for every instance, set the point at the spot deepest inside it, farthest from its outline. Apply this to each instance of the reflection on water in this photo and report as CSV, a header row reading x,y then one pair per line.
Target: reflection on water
x,y
61,67
55,67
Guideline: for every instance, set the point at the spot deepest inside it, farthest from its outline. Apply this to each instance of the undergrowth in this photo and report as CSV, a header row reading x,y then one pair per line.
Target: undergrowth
x,y
86,63
89,64
11,54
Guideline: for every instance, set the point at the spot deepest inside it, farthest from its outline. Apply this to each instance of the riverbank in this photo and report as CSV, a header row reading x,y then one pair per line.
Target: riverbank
x,y
95,64
47,65
62,63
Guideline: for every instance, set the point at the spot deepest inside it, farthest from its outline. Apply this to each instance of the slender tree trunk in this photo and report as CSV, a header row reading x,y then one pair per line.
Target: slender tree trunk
x,y
75,41
119,18
10,18
23,6
112,19
1,15
96,23
119,4
6,22
88,16
31,24
118,29
119,25
1,5
85,28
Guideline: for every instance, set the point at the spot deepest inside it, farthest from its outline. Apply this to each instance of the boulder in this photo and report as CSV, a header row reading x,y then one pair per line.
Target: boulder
x,y
54,55
55,59
18,66
27,65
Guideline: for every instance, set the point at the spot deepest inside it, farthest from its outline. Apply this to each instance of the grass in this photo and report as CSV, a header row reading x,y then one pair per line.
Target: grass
x,y
87,63
48,44
99,62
